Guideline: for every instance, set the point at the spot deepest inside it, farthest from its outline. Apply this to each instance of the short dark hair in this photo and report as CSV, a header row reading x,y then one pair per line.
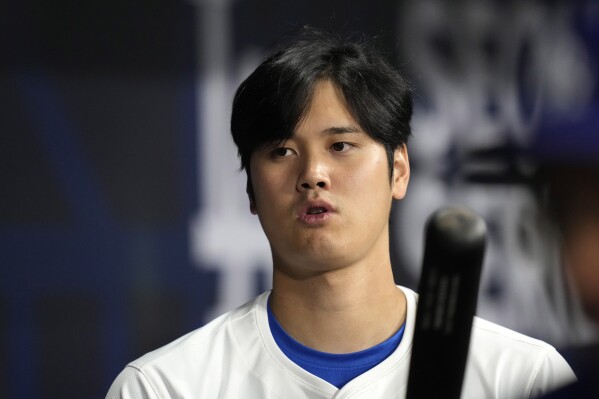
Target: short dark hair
x,y
271,102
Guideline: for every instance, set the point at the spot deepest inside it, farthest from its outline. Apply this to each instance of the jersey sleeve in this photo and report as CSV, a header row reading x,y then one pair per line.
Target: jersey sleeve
x,y
553,373
131,384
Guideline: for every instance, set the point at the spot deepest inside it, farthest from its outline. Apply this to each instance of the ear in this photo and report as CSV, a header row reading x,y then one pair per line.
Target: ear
x,y
401,172
250,192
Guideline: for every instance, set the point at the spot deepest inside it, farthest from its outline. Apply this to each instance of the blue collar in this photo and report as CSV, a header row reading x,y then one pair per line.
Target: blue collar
x,y
337,369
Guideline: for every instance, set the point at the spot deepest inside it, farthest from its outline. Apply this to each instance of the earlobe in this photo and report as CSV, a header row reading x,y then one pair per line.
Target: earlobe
x,y
250,192
401,172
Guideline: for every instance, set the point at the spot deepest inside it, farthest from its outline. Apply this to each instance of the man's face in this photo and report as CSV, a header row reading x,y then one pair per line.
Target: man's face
x,y
323,197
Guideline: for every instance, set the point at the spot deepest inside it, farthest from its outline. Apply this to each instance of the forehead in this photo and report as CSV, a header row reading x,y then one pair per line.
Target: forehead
x,y
327,111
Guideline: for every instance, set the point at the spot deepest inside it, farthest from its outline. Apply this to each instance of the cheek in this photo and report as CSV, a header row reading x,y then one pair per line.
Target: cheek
x,y
369,178
268,186
582,257
367,188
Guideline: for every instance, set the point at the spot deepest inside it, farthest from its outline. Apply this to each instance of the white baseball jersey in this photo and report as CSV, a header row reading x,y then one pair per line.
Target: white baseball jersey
x,y
235,356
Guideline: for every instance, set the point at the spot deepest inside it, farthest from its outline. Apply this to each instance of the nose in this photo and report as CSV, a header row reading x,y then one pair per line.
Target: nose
x,y
314,175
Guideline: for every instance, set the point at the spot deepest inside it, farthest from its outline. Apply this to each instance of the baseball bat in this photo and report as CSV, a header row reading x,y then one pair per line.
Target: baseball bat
x,y
448,290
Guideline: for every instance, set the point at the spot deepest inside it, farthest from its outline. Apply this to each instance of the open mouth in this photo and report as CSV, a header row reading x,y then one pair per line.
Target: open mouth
x,y
316,213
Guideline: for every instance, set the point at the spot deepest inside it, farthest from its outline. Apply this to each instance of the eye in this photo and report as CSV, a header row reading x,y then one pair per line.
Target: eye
x,y
281,152
341,146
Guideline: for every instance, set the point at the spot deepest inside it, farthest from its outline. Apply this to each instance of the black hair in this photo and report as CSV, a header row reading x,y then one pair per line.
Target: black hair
x,y
271,102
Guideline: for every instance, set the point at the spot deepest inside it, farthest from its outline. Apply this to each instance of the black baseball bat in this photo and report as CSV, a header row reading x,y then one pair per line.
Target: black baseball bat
x,y
448,290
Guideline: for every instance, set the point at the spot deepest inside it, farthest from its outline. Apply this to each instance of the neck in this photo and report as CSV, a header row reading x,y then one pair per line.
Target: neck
x,y
339,311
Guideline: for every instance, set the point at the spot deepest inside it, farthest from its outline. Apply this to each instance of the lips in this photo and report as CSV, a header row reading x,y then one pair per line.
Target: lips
x,y
315,212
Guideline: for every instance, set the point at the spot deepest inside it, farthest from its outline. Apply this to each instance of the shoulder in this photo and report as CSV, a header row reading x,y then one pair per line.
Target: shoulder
x,y
198,353
503,363
503,357
488,332
492,341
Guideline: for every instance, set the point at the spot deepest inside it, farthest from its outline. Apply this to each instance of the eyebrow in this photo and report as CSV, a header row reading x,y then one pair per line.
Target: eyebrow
x,y
341,130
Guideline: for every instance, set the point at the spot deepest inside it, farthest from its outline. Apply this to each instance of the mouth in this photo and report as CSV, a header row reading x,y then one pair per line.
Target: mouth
x,y
315,212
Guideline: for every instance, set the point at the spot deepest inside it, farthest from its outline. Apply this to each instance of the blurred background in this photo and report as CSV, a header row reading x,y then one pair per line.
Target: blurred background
x,y
123,216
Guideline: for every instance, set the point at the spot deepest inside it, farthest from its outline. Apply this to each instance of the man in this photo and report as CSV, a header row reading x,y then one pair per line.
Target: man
x,y
321,127
573,202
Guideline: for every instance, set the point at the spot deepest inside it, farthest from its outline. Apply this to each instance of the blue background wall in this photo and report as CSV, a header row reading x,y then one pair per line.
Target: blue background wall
x,y
98,155
100,142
